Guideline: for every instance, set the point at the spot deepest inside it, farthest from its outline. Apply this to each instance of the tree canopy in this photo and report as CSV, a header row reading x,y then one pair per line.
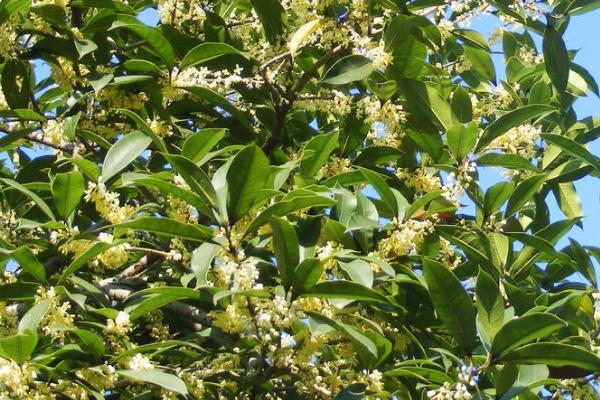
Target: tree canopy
x,y
281,199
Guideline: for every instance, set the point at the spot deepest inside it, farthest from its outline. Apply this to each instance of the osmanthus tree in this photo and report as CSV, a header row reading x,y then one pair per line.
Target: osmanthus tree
x,y
267,199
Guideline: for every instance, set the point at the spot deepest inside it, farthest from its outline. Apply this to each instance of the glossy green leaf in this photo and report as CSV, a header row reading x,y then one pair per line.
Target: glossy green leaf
x,y
169,227
67,189
18,348
123,152
245,177
342,289
523,193
157,377
556,58
286,247
553,354
209,51
573,149
348,69
462,138
525,329
452,303
199,144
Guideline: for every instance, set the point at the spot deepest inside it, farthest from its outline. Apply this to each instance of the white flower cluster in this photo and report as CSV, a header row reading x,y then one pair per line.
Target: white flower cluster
x,y
120,326
107,203
53,132
420,179
519,140
178,12
405,239
458,391
139,362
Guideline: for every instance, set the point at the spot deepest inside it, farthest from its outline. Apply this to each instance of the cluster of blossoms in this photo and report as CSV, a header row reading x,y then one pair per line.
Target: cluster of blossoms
x,y
188,14
574,389
519,140
386,120
486,104
53,132
333,102
107,203
421,179
467,379
58,318
405,239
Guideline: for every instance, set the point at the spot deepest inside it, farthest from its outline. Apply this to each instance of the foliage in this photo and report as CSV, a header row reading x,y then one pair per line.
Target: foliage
x,y
268,199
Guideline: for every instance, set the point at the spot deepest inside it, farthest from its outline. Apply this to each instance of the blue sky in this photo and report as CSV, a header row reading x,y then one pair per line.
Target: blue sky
x,y
581,35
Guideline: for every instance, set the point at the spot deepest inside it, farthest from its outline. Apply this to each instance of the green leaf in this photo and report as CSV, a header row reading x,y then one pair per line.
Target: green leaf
x,y
28,262
245,177
367,350
86,256
573,149
461,105
166,296
348,69
169,188
155,40
307,274
462,138
156,377
567,199
221,103
90,340
144,127
553,354
451,302
270,13
496,195
85,46
201,261
32,318
123,152
480,61
169,227
389,198
490,305
18,348
510,120
316,153
197,179
556,58
428,100
511,161
302,34
199,144
342,289
525,329
67,189
209,51
34,197
523,193
286,248
287,206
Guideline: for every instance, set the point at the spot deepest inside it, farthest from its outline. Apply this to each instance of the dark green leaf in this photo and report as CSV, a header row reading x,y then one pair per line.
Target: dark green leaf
x,y
169,227
157,377
452,303
348,69
67,189
123,152
525,329
286,248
